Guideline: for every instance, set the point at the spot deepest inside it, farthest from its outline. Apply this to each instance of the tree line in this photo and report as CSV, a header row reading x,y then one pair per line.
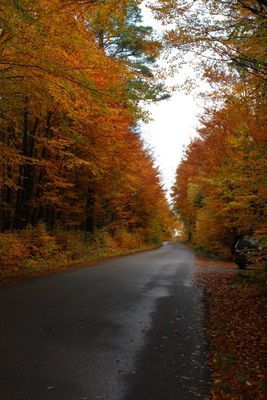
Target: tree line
x,y
73,74
220,189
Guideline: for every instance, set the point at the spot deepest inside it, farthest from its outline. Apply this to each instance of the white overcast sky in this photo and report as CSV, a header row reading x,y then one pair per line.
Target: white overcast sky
x,y
174,121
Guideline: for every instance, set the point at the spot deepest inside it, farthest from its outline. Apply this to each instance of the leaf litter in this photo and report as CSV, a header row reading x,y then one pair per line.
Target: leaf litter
x,y
236,325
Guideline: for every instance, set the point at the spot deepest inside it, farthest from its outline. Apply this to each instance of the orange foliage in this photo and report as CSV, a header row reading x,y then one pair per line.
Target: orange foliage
x,y
70,153
219,191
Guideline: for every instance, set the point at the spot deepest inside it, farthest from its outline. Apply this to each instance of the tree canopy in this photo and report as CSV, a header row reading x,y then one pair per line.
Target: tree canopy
x,y
72,77
220,189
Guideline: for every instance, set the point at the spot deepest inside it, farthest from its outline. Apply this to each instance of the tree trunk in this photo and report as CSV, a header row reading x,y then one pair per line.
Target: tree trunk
x,y
90,221
26,174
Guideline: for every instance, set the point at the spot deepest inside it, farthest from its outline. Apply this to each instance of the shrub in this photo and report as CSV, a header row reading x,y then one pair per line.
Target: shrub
x,y
13,251
127,240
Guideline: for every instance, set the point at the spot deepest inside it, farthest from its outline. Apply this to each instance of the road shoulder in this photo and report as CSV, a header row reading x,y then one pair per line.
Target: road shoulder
x,y
235,321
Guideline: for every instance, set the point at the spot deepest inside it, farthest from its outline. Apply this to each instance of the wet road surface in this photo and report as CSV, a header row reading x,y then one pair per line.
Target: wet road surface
x,y
130,328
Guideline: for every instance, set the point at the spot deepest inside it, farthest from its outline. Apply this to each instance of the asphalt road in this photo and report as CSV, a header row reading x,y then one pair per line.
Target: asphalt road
x,y
130,328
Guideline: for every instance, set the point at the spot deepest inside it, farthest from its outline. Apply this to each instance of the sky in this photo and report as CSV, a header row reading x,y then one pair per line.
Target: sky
x,y
173,121
173,124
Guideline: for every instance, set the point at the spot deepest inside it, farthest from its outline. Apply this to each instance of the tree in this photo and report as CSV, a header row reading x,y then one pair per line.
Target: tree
x,y
71,155
219,190
228,37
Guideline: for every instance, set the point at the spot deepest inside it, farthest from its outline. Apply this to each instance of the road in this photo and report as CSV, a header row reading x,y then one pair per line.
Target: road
x,y
130,328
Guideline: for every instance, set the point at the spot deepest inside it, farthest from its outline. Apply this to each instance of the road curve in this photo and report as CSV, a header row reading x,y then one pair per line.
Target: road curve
x,y
130,328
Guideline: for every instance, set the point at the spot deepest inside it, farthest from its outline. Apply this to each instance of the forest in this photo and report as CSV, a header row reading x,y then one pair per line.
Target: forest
x,y
220,190
76,180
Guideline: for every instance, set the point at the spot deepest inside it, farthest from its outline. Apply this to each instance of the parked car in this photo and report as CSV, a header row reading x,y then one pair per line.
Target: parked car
x,y
246,251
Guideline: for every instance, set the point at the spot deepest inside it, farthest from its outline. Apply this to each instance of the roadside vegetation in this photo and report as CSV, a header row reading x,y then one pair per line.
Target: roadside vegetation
x,y
76,181
220,190
35,251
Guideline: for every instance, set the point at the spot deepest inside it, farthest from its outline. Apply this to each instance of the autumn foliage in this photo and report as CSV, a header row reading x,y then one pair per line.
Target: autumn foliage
x,y
220,189
72,76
